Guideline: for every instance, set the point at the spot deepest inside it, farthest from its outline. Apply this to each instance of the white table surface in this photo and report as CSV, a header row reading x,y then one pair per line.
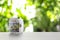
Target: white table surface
x,y
31,36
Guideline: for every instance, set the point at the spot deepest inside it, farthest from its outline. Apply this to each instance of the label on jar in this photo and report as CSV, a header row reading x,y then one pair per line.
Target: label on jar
x,y
15,25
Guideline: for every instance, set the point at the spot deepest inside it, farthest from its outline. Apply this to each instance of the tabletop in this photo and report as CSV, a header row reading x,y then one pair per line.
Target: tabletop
x,y
30,36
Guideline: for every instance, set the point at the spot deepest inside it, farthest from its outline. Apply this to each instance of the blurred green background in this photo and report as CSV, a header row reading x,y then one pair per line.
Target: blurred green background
x,y
38,15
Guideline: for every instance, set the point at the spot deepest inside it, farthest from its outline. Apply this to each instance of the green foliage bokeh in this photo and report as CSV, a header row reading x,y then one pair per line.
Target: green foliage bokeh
x,y
46,19
46,11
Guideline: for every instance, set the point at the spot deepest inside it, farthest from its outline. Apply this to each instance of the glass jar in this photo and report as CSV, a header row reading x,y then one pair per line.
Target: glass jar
x,y
16,25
